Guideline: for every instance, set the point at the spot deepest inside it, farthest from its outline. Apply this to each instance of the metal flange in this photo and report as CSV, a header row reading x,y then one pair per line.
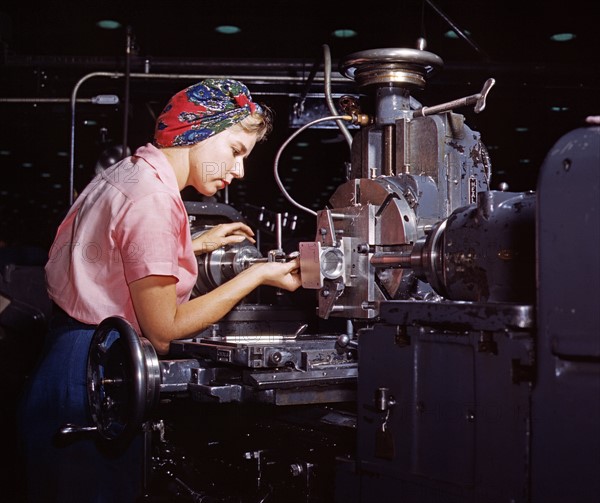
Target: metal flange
x,y
404,66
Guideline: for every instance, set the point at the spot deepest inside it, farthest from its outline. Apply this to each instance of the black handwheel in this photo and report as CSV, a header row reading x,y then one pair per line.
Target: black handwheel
x,y
123,378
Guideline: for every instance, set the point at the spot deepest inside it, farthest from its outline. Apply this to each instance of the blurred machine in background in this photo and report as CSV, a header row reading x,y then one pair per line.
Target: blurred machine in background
x,y
445,345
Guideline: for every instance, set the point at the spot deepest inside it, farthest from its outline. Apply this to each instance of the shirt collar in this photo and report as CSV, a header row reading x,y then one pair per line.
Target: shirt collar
x,y
160,163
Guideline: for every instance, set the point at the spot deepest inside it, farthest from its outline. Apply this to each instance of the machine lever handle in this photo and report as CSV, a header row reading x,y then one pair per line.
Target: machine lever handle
x,y
477,99
480,103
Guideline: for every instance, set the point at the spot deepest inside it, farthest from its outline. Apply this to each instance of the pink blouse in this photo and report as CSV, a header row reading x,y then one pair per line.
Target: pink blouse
x,y
129,222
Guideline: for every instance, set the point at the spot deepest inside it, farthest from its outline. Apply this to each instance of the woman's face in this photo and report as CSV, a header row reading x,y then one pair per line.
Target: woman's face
x,y
216,161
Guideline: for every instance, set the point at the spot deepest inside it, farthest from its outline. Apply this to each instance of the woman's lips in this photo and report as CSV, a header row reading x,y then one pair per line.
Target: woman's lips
x,y
224,183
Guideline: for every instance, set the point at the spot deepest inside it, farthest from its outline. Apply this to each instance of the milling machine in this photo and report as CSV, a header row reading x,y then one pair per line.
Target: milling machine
x,y
438,350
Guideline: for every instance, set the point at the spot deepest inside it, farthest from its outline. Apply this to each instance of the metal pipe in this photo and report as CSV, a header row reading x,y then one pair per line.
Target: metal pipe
x,y
329,101
44,100
128,44
286,143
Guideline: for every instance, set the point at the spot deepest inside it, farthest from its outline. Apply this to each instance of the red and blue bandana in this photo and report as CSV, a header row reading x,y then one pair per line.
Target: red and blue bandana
x,y
203,110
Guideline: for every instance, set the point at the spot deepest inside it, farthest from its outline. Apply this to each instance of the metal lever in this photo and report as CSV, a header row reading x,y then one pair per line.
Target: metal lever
x,y
68,429
477,99
278,231
277,255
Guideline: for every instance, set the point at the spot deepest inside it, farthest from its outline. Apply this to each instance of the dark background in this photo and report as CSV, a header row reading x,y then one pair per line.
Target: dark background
x,y
50,49
543,88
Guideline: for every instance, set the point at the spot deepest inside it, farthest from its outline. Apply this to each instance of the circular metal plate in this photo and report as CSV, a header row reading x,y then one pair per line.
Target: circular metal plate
x,y
391,65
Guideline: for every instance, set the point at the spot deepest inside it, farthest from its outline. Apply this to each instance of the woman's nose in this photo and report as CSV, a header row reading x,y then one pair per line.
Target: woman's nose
x,y
237,171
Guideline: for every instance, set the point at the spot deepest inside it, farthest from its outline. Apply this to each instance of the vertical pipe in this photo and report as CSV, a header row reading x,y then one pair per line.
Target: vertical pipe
x,y
128,44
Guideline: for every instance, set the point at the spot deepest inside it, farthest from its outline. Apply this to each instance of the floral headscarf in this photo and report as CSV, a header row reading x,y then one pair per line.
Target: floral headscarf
x,y
203,110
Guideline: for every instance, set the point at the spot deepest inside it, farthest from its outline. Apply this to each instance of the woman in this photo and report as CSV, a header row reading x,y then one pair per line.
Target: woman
x,y
125,249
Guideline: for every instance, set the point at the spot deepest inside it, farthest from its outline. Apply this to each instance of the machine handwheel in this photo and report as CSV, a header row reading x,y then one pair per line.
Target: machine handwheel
x,y
123,378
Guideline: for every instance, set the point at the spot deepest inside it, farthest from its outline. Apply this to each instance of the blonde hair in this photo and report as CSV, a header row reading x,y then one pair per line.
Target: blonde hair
x,y
260,123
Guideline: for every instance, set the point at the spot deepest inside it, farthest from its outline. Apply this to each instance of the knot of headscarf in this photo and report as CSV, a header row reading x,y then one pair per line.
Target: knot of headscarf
x,y
203,110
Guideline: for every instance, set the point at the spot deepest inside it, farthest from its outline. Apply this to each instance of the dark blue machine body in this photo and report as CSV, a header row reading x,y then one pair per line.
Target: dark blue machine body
x,y
565,449
493,401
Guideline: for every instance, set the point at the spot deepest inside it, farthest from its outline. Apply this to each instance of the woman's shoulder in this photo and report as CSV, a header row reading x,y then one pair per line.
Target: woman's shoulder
x,y
136,177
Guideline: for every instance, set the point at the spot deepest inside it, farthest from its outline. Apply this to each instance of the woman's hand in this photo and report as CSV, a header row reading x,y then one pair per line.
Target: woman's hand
x,y
163,320
221,235
285,275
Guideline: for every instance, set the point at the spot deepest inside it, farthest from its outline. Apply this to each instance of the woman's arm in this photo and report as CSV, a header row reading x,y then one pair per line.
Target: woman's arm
x,y
162,320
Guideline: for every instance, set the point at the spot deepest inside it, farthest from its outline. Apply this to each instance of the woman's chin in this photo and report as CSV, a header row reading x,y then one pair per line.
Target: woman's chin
x,y
207,191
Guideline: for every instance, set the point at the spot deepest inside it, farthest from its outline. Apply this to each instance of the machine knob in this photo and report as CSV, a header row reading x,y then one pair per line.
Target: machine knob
x,y
345,340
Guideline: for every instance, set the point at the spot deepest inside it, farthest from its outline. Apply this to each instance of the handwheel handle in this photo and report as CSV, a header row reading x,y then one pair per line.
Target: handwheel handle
x,y
69,429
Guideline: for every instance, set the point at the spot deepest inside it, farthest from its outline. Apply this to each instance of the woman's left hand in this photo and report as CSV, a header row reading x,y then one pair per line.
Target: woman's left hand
x,y
222,235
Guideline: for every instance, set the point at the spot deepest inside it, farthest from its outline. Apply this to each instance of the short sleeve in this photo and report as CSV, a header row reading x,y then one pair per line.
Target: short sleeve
x,y
148,236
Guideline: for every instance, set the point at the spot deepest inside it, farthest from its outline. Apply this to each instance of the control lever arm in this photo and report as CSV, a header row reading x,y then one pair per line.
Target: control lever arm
x,y
477,99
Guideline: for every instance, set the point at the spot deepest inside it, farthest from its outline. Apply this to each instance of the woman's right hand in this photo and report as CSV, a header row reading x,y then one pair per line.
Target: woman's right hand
x,y
285,275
